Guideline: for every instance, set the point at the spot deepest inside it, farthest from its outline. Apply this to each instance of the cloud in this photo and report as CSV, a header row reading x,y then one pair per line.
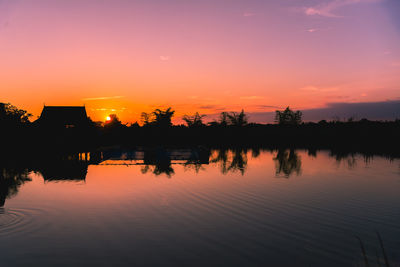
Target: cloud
x,y
337,96
207,107
102,98
327,9
383,110
165,58
396,64
252,97
212,108
108,109
312,30
249,14
312,88
268,106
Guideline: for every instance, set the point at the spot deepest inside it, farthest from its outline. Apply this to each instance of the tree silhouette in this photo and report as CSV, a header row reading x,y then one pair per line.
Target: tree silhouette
x,y
163,117
194,121
237,119
223,119
288,117
114,122
146,118
12,116
159,118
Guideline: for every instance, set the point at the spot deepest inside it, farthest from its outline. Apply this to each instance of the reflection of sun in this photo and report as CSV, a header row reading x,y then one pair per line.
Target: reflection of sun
x,y
108,118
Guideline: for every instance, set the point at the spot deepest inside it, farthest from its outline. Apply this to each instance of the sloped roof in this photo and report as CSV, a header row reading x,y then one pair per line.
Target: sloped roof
x,y
64,115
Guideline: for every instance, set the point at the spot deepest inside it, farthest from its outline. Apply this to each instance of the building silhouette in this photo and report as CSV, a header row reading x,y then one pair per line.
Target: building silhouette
x,y
63,117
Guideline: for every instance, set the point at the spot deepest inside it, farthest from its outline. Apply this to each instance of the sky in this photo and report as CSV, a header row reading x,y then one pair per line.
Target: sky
x,y
125,57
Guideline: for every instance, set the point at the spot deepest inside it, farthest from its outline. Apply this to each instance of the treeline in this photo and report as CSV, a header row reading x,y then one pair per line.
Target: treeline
x,y
229,129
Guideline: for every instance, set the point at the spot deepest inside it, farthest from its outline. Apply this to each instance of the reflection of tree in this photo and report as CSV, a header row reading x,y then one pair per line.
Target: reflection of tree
x,y
193,165
158,168
231,160
158,162
239,161
255,152
287,163
10,181
347,158
312,152
163,168
222,159
145,169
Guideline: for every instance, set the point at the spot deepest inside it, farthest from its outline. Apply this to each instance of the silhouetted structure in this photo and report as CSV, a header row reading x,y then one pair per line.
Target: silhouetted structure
x,y
67,129
63,117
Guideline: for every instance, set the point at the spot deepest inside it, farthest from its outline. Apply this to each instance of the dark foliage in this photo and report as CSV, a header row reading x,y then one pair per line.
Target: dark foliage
x,y
232,129
288,117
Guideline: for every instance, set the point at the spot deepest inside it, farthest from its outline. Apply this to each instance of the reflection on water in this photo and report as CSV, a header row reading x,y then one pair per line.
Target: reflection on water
x,y
11,178
225,207
287,162
230,160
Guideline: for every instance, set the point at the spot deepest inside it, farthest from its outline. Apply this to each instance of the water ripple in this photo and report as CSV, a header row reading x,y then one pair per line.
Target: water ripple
x,y
18,221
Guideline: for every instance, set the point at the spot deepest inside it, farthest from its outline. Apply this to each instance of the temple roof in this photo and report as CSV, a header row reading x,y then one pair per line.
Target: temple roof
x,y
64,115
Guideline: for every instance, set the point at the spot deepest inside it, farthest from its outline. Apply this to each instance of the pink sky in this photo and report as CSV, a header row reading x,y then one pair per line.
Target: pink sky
x,y
126,57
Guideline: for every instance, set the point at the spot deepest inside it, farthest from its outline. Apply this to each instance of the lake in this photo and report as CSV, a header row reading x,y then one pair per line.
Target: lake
x,y
219,208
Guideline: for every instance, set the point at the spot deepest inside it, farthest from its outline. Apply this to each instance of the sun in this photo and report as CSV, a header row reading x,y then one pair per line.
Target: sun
x,y
108,118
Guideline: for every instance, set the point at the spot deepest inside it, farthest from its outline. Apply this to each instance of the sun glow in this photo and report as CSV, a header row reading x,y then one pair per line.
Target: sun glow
x,y
108,118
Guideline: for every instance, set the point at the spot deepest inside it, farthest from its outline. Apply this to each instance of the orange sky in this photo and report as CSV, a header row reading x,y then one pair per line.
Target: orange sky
x,y
125,57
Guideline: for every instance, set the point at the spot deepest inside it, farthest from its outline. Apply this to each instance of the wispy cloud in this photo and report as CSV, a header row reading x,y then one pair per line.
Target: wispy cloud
x,y
212,108
328,9
102,98
318,89
337,97
396,64
165,58
207,107
249,14
312,30
267,107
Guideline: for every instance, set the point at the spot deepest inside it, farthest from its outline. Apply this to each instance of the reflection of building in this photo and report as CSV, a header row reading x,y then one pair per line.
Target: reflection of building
x,y
64,169
150,156
63,116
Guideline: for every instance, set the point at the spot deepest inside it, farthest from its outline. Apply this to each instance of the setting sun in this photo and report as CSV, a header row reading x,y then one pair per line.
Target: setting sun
x,y
108,118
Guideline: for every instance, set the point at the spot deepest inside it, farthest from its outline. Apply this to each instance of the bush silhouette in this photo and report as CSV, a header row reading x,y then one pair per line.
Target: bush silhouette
x,y
194,121
288,117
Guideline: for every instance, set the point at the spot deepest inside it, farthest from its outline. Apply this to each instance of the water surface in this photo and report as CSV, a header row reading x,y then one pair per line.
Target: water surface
x,y
236,208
